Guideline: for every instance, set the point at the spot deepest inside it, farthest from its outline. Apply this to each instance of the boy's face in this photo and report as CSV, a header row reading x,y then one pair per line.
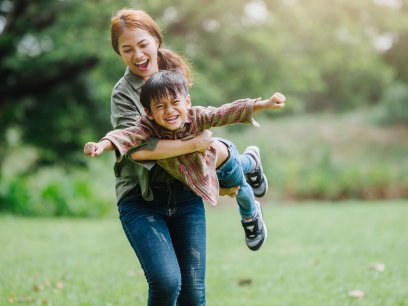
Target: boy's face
x,y
171,112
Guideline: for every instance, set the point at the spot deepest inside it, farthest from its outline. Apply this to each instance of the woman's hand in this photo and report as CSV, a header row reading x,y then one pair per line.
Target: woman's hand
x,y
203,141
168,148
231,192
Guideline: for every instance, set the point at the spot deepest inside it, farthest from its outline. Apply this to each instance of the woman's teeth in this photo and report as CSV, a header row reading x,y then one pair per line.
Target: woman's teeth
x,y
142,65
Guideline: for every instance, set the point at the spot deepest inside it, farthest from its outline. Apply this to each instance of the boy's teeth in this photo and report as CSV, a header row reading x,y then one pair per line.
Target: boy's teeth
x,y
171,118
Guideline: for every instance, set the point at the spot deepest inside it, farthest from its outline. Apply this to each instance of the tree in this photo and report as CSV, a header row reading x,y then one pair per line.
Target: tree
x,y
321,53
44,62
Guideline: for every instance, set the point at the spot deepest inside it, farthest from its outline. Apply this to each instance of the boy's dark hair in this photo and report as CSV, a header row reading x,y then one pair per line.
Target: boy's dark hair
x,y
164,84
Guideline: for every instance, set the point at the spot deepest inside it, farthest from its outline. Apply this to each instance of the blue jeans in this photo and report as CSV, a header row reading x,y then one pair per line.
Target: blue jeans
x,y
168,236
231,174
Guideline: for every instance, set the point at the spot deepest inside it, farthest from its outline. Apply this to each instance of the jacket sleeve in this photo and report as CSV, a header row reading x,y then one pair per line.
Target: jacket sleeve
x,y
130,137
239,111
126,112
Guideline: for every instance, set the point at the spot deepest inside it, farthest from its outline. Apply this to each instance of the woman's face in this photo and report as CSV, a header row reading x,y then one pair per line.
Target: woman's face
x,y
138,50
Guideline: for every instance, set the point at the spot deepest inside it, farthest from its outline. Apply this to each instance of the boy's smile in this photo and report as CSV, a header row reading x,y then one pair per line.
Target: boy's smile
x,y
170,113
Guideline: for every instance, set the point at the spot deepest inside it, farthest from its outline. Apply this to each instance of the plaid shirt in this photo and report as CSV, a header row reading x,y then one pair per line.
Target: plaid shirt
x,y
197,170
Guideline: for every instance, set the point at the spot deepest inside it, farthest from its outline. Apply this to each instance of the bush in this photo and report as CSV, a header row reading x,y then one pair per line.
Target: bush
x,y
323,179
51,193
394,106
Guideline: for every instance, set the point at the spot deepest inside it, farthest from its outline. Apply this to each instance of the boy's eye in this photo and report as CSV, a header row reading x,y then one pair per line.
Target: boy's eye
x,y
159,106
176,102
143,45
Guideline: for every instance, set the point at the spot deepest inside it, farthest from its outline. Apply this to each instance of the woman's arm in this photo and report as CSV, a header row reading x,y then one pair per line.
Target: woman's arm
x,y
126,112
170,148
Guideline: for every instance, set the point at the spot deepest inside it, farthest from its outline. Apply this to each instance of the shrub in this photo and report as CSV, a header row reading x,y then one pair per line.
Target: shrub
x,y
53,194
394,106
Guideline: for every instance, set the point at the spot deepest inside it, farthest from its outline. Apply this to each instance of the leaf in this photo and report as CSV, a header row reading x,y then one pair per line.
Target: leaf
x,y
59,285
244,282
38,287
357,294
379,267
20,299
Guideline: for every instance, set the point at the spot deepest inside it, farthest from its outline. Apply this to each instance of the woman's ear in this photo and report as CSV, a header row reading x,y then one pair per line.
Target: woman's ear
x,y
188,101
149,113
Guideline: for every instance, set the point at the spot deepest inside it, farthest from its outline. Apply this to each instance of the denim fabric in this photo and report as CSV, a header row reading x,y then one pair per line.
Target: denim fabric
x,y
231,174
168,236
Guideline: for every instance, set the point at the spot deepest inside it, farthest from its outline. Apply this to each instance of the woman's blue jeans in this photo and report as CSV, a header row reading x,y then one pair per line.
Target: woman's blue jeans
x,y
168,236
231,174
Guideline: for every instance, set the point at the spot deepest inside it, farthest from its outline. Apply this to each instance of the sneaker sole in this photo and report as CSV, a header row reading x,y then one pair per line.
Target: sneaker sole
x,y
260,195
258,153
263,222
264,226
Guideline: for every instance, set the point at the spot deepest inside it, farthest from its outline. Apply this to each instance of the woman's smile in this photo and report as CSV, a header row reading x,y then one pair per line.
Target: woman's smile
x,y
142,65
138,50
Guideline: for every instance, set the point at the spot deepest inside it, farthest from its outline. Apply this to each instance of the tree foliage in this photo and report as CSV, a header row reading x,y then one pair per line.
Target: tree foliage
x,y
44,60
57,67
323,54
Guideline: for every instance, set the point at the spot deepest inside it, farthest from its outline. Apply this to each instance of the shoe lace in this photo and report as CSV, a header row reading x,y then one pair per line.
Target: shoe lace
x,y
255,177
251,228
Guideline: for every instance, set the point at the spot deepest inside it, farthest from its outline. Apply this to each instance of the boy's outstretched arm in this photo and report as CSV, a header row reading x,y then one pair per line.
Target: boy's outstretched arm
x,y
95,149
277,101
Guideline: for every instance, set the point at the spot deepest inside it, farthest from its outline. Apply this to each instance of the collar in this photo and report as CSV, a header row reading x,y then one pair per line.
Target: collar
x,y
133,79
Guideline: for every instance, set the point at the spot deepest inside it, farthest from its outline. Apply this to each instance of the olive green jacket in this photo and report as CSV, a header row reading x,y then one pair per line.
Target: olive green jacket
x,y
126,111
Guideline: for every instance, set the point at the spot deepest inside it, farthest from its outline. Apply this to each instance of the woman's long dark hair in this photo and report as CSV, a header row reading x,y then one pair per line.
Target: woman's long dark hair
x,y
137,19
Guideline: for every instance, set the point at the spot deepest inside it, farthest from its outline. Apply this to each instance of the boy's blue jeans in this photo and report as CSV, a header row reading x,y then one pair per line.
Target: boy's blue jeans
x,y
168,236
231,174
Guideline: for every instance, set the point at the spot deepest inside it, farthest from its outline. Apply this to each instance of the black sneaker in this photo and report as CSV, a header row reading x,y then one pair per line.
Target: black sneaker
x,y
255,230
256,179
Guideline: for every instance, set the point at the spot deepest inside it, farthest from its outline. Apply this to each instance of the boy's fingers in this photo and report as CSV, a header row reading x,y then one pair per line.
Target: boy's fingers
x,y
90,148
280,96
87,151
98,151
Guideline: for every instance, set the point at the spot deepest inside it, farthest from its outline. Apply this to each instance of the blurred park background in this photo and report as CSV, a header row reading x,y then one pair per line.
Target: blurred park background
x,y
336,156
341,65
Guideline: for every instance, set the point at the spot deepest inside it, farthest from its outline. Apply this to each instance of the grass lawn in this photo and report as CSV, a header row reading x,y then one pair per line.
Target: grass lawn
x,y
315,255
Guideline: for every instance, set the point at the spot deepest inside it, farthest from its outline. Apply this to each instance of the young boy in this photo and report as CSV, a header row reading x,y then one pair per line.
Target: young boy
x,y
170,115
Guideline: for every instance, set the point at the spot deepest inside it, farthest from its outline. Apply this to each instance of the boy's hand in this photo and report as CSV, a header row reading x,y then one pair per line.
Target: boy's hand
x,y
93,149
277,101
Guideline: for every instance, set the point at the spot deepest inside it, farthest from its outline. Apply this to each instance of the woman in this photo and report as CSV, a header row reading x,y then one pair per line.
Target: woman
x,y
164,221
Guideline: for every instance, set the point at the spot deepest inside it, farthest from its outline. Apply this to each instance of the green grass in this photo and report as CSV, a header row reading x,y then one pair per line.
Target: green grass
x,y
315,255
